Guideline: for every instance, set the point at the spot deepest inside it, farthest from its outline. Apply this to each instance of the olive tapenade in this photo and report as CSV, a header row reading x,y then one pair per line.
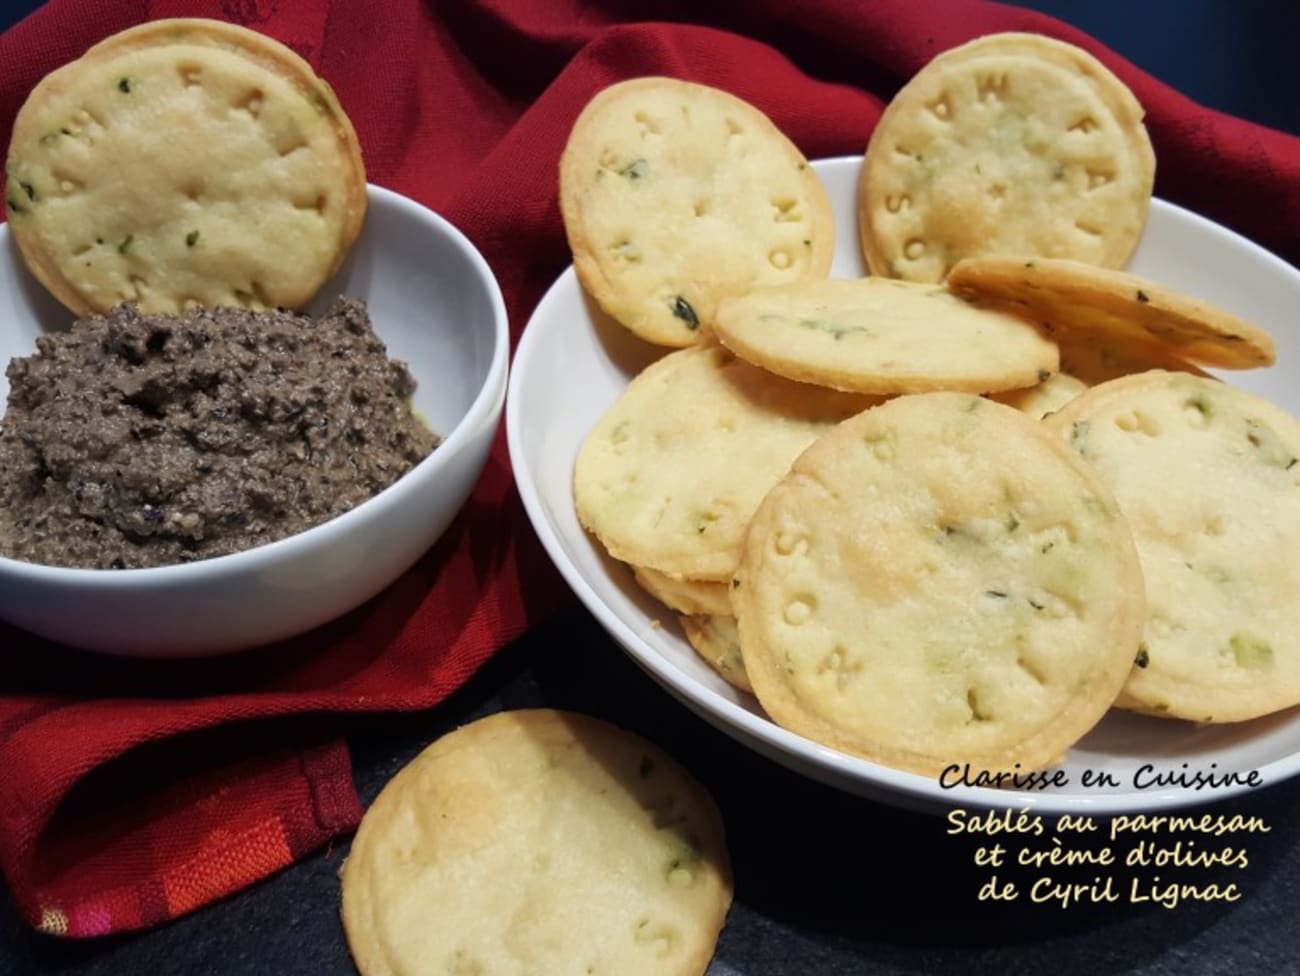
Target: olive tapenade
x,y
135,440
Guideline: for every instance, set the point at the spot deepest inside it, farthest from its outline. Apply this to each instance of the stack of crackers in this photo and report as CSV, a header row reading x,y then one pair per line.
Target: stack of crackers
x,y
954,511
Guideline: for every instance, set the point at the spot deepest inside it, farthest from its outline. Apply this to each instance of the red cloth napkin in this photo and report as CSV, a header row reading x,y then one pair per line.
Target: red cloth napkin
x,y
133,792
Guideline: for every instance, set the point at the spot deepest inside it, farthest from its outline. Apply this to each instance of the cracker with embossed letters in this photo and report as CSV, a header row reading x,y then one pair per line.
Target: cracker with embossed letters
x,y
881,336
1010,144
1208,477
675,195
671,474
939,580
184,163
1070,298
538,841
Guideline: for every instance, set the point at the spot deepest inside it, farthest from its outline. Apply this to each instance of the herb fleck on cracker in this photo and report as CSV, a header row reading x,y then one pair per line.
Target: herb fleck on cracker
x,y
682,309
638,169
836,331
1250,651
1268,445
1079,436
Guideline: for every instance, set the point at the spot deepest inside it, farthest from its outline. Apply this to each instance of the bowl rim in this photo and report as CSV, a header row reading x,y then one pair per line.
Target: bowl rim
x,y
797,752
486,402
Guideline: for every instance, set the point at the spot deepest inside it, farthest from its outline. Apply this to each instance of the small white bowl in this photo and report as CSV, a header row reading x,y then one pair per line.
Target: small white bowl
x,y
434,302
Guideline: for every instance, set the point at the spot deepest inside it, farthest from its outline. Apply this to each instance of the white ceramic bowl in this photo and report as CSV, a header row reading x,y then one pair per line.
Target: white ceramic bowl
x,y
573,362
436,305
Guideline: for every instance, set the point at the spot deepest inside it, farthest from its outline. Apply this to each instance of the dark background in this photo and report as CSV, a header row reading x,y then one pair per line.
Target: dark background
x,y
1238,56
826,883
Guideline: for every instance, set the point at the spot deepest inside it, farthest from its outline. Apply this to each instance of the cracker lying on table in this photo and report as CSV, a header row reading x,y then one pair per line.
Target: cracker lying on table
x,y
671,474
1073,298
184,163
675,195
1208,477
538,841
1010,144
717,641
881,336
939,580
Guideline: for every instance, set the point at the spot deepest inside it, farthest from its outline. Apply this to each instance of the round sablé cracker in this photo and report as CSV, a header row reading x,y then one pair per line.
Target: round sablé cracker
x,y
675,195
883,336
717,641
672,472
688,596
1045,398
184,163
939,580
1208,477
538,841
1074,298
1010,144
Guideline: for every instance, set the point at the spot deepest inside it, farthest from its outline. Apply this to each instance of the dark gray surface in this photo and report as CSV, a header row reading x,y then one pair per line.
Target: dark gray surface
x,y
825,883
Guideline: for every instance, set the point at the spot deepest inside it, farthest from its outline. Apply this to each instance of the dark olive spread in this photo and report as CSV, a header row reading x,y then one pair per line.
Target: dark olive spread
x,y
137,440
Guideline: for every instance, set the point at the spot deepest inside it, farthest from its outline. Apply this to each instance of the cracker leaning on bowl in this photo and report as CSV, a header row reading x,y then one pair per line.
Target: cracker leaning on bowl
x,y
184,163
1009,144
1114,308
675,195
1092,358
